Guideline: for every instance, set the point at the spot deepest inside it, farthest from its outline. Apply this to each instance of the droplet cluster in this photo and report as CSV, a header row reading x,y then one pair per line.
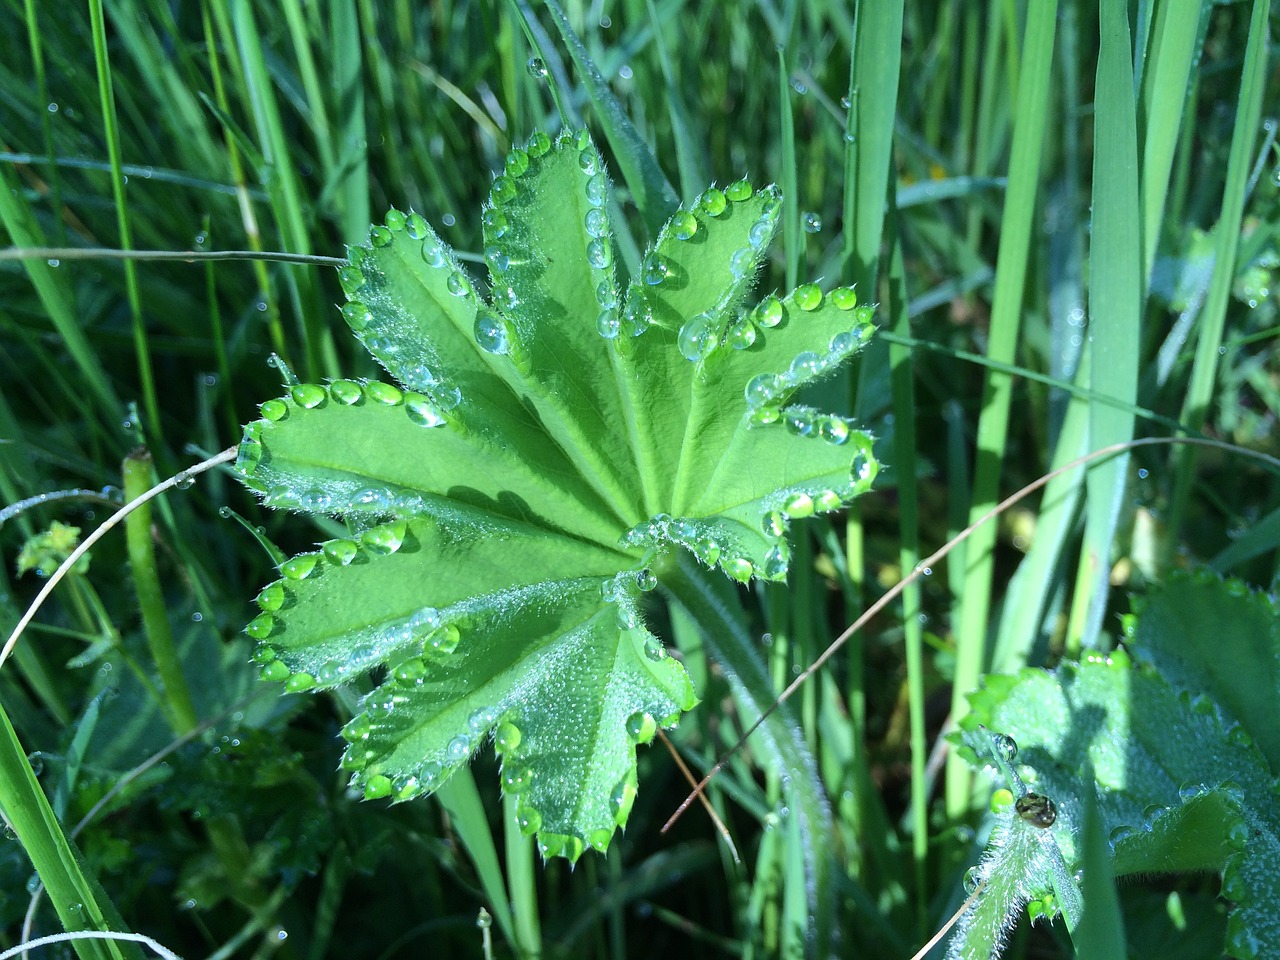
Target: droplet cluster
x,y
713,328
403,641
711,543
768,393
334,497
384,328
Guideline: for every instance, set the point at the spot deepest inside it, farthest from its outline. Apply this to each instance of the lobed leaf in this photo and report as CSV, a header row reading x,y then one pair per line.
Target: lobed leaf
x,y
524,482
1183,783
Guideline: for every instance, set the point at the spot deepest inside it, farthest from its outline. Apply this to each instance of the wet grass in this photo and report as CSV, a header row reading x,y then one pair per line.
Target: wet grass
x,y
1016,335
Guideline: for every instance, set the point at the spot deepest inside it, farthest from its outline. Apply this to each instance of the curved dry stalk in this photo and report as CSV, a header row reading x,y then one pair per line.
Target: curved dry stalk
x,y
70,935
925,566
182,477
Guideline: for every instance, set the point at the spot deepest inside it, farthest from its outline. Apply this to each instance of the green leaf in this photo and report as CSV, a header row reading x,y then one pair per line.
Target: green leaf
x,y
1178,747
544,454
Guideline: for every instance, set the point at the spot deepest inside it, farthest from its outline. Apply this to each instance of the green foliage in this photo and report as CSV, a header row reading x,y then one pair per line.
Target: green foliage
x,y
1181,742
523,486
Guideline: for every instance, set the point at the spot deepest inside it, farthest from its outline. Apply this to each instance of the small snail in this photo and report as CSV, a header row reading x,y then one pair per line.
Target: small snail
x,y
1037,809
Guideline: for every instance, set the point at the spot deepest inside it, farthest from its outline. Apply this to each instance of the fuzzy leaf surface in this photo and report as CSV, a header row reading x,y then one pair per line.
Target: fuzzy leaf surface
x,y
1183,780
524,477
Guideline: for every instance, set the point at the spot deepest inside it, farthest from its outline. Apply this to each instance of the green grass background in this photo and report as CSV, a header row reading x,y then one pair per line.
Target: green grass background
x,y
1067,211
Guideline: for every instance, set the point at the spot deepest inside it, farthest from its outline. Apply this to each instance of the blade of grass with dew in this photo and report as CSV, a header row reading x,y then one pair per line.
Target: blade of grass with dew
x,y
352,154
79,901
461,800
1101,929
1115,300
867,151
58,299
1164,100
1032,117
1204,370
653,193
111,130
690,155
522,881
285,192
713,604
905,463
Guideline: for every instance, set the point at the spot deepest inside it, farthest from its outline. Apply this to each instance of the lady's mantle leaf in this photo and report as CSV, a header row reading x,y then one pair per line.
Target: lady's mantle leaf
x,y
524,481
1183,781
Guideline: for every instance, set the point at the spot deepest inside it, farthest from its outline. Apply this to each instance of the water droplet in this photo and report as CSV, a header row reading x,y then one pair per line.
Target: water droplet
x,y
760,234
410,672
516,777
806,365
377,787
383,393
608,325
539,143
826,500
300,567
481,720
350,278
498,261
742,263
684,225
739,568
589,161
299,683
308,395
798,506
655,269
637,316
416,227
641,727
597,190
422,411
433,253
345,392
599,839
385,538
811,222
769,313
275,672
529,821
713,202
1004,747
459,747
444,639
271,598
596,222
517,163
491,333
697,337
834,430
620,800
776,562
845,298
458,284
707,551
646,580
808,296
330,672
261,626
502,191
274,410
741,334
738,191
507,737
537,69
599,253
395,220
380,236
